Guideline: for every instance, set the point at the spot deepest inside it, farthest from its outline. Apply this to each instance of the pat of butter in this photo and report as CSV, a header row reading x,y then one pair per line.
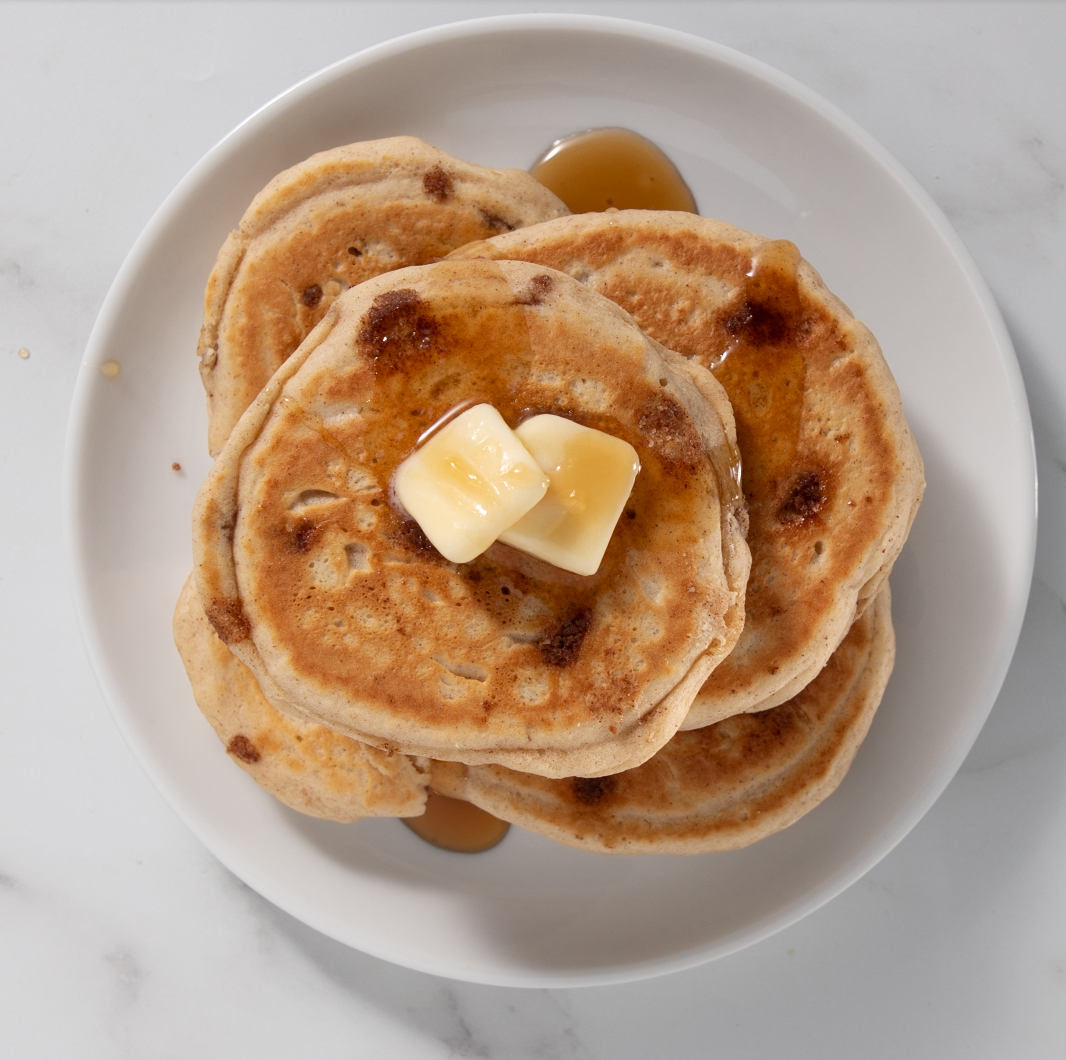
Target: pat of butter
x,y
469,482
592,475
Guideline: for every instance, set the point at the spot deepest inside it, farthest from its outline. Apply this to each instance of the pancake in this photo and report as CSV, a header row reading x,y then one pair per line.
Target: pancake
x,y
323,226
831,473
348,616
716,788
308,767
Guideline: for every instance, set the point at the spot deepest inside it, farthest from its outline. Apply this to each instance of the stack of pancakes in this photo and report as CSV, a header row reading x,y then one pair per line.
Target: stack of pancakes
x,y
711,682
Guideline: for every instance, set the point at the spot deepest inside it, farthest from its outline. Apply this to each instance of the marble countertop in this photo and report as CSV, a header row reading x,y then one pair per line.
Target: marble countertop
x,y
122,936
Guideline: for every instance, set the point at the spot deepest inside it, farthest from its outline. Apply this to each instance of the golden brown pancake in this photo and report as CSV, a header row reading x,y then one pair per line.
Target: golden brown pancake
x,y
348,616
329,223
308,767
716,788
831,472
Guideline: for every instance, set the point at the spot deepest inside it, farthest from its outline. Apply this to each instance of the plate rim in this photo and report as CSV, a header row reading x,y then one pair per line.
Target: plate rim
x,y
111,311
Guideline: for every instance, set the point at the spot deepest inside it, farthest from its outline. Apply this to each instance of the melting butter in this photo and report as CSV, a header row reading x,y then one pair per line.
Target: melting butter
x,y
591,476
469,482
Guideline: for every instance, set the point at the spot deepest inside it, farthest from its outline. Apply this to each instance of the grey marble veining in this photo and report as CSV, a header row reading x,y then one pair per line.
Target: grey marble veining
x,y
123,937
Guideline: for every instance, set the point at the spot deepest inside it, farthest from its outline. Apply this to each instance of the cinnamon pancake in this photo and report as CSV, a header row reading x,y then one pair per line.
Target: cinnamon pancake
x,y
308,767
329,223
346,614
717,788
831,473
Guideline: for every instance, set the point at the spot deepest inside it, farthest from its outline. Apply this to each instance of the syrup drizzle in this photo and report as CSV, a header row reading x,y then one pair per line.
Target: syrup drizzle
x,y
762,366
604,169
453,824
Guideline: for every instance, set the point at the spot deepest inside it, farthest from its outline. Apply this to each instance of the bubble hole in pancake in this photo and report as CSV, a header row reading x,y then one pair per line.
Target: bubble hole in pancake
x,y
308,767
326,224
721,787
348,617
831,473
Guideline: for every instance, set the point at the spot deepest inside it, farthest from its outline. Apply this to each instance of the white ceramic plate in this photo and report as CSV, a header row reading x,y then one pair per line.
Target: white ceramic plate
x,y
758,150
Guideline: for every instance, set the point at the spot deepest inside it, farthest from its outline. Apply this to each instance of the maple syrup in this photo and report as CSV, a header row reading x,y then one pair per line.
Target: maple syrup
x,y
762,367
603,169
453,824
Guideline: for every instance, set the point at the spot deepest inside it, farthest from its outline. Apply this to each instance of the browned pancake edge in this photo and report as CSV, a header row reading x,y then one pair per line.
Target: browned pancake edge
x,y
328,223
717,788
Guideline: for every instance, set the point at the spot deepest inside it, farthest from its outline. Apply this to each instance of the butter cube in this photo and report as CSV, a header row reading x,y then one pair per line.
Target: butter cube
x,y
470,481
592,475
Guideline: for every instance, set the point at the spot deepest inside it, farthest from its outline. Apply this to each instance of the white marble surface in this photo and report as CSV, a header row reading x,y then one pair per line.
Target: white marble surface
x,y
121,936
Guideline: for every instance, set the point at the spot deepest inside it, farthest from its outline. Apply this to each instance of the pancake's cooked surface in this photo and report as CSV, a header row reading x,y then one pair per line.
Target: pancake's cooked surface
x,y
323,226
717,788
830,470
306,766
349,617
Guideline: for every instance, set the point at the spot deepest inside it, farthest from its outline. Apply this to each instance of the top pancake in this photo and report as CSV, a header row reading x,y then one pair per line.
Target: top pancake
x,y
347,616
831,473
329,223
